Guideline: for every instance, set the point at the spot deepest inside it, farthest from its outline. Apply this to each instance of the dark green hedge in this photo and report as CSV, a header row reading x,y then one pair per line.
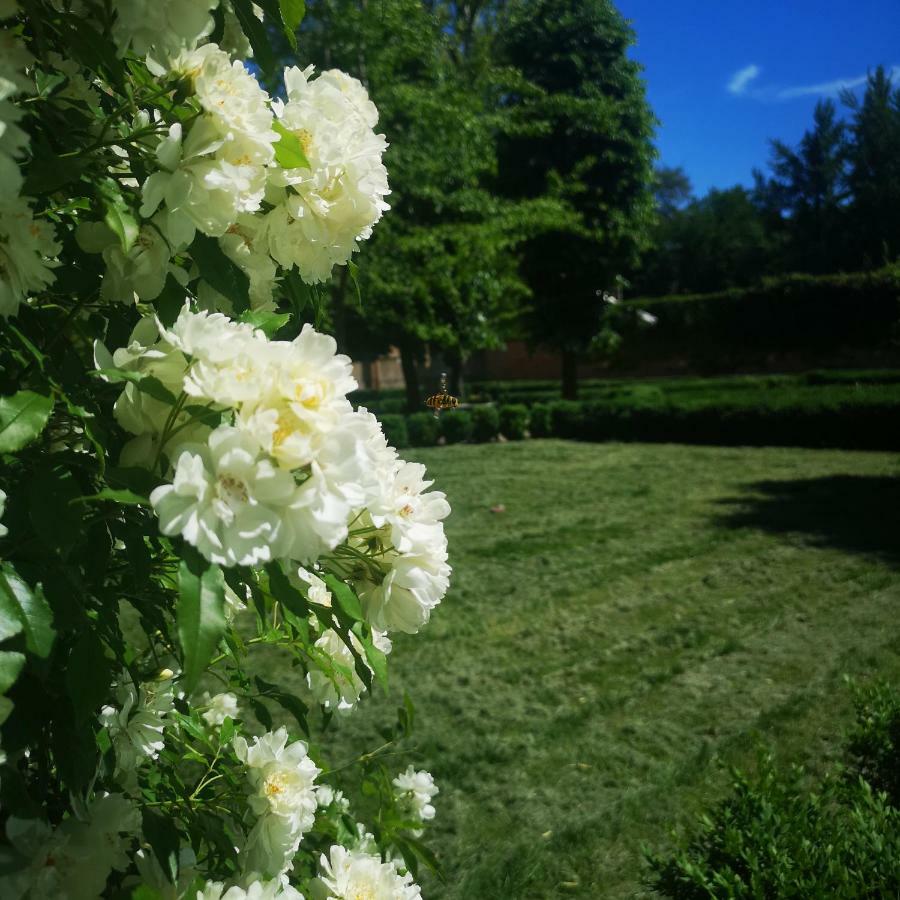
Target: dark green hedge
x,y
793,313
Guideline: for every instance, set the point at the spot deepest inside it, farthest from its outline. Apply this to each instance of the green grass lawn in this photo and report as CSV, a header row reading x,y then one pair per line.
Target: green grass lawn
x,y
637,617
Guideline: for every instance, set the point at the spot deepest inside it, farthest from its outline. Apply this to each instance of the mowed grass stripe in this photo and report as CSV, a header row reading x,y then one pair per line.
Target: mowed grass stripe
x,y
638,616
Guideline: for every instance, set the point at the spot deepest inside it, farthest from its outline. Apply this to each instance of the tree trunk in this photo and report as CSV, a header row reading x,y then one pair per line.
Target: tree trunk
x,y
569,375
409,362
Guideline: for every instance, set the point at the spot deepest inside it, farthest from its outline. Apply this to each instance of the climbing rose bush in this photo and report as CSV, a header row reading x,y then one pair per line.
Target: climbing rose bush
x,y
189,500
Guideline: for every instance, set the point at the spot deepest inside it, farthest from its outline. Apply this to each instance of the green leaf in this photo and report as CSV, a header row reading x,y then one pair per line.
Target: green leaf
x,y
10,666
267,322
256,34
122,223
220,272
288,150
21,603
88,674
163,838
345,596
144,892
125,497
226,732
201,618
292,13
294,705
285,593
22,418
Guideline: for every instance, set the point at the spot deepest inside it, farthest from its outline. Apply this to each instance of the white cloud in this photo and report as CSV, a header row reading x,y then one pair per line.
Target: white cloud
x,y
829,88
738,83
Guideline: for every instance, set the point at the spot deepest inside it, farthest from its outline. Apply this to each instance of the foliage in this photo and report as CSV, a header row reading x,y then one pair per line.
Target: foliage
x,y
395,429
513,421
424,429
804,314
456,426
583,136
540,420
873,745
777,838
485,423
778,835
186,489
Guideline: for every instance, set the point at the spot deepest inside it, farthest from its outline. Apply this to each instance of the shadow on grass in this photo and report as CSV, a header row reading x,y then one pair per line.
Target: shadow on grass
x,y
856,513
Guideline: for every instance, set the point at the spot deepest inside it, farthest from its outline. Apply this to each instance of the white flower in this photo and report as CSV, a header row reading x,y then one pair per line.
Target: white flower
x,y
414,791
161,28
341,687
282,779
411,511
413,585
334,203
27,246
200,191
646,317
276,889
74,861
221,707
327,796
353,874
3,529
227,500
234,102
136,723
306,398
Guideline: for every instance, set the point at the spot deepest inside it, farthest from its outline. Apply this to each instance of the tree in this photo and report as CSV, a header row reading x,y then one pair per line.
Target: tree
x,y
874,173
583,136
809,188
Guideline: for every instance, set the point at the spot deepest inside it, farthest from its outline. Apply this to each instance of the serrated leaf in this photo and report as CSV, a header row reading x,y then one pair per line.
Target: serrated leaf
x,y
345,596
10,666
220,272
21,603
288,149
200,614
23,417
226,732
121,222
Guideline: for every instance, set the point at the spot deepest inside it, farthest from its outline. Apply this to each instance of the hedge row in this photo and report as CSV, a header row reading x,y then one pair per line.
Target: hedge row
x,y
793,313
837,416
778,836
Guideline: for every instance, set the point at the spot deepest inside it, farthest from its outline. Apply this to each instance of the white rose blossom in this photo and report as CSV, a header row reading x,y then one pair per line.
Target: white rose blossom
x,y
282,782
325,209
3,529
351,874
275,889
221,706
415,791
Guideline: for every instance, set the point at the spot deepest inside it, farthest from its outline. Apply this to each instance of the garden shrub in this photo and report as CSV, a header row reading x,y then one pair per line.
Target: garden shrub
x,y
485,423
782,834
423,429
513,421
873,744
540,421
395,430
776,836
456,426
567,417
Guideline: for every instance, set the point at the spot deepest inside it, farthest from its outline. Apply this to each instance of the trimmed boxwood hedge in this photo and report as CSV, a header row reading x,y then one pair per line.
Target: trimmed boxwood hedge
x,y
513,421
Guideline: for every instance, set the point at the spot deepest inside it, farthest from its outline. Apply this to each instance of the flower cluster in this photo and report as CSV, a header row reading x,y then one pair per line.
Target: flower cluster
x,y
241,505
27,245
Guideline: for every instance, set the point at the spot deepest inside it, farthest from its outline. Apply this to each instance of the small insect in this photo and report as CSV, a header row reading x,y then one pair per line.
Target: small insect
x,y
443,400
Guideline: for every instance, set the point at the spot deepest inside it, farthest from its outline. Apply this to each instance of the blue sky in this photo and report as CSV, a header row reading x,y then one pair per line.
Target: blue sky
x,y
725,76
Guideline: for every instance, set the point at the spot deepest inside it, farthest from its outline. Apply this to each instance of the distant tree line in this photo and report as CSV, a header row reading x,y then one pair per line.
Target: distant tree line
x,y
830,204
